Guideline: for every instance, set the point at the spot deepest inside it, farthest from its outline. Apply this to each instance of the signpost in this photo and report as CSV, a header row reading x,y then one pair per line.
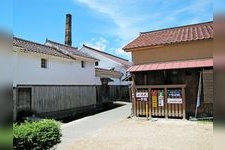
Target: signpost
x,y
143,96
161,99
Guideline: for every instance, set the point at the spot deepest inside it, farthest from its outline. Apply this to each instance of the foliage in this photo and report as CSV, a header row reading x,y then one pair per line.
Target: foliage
x,y
37,135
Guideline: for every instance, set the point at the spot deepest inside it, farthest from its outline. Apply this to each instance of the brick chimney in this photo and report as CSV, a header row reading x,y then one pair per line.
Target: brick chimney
x,y
68,37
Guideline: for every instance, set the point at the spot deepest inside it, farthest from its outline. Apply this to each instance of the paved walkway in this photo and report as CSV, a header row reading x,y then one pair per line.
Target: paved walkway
x,y
92,124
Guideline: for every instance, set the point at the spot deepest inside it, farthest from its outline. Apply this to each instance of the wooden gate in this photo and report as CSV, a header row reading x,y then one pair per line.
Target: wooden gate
x,y
24,102
159,101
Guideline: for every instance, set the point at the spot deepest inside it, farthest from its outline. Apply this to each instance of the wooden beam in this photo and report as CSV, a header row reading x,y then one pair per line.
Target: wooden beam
x,y
184,103
165,103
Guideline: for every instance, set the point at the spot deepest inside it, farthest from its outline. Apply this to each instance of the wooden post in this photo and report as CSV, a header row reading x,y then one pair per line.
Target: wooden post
x,y
131,100
184,101
165,103
135,102
146,110
134,92
149,101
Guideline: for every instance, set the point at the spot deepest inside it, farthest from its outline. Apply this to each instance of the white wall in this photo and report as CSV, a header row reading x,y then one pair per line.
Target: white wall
x,y
60,71
107,63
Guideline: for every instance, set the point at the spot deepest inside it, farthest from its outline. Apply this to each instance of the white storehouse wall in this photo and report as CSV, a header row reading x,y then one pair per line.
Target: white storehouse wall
x,y
59,71
107,63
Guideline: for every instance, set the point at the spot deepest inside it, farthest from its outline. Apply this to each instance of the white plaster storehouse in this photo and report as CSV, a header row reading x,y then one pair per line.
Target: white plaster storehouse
x,y
109,66
52,79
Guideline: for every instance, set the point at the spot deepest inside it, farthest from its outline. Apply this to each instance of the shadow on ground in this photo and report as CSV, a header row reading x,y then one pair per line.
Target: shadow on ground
x,y
100,109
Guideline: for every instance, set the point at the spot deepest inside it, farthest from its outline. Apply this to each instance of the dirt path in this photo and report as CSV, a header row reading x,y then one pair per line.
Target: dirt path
x,y
88,126
140,134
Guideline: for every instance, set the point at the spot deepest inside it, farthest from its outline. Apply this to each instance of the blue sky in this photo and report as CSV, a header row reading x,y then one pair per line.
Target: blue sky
x,y
6,15
106,25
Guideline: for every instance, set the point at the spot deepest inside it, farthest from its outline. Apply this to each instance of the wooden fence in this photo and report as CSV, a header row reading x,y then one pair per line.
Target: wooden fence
x,y
54,101
110,93
63,100
159,101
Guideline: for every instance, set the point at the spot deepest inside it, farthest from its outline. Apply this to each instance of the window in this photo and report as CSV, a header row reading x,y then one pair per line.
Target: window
x,y
96,63
43,63
82,64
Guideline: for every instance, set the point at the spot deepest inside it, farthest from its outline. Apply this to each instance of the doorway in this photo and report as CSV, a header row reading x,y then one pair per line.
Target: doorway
x,y
24,102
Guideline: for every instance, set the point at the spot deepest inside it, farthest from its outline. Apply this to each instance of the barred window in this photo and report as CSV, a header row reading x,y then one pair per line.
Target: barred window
x,y
82,64
43,63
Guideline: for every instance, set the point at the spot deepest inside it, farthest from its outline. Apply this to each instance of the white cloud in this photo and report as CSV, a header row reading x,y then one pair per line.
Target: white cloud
x,y
132,17
123,16
122,53
97,43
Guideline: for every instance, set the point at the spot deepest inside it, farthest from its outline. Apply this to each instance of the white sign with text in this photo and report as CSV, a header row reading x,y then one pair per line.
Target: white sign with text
x,y
174,100
142,94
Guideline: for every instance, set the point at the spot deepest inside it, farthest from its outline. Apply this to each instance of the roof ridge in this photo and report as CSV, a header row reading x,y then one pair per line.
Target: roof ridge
x,y
105,53
71,49
98,68
47,40
175,27
31,45
17,38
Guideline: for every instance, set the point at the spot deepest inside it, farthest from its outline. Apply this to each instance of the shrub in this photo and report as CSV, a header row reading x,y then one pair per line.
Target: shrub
x,y
38,135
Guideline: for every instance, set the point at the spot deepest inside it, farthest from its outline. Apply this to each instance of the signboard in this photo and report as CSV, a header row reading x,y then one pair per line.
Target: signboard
x,y
161,100
174,96
154,98
143,99
174,100
142,96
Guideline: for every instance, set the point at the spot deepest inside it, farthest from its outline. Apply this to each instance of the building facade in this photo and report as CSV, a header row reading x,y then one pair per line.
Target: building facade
x,y
109,62
173,72
50,81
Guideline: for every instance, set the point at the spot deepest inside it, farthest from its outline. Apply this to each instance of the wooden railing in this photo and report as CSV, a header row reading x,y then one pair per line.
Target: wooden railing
x,y
159,101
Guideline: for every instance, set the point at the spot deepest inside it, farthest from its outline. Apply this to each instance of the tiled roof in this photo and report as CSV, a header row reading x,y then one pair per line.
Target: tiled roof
x,y
68,49
37,48
172,35
103,72
110,56
173,65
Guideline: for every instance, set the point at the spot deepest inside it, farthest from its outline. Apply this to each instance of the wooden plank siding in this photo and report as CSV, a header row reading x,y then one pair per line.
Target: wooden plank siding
x,y
180,51
110,93
188,77
55,101
58,101
208,86
55,98
24,101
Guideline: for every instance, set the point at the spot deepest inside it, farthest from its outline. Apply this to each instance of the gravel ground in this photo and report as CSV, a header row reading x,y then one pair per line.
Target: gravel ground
x,y
157,134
